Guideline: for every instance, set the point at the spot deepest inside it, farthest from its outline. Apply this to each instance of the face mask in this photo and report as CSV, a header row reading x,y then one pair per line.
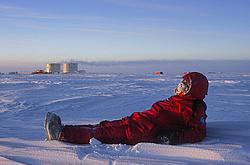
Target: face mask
x,y
182,87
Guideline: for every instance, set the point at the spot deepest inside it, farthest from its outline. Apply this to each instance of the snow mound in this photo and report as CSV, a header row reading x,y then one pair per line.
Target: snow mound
x,y
176,151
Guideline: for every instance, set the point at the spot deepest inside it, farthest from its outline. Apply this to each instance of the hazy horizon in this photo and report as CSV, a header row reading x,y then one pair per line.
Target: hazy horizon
x,y
144,66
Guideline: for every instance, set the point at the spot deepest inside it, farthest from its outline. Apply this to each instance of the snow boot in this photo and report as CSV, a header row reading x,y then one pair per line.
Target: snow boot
x,y
53,126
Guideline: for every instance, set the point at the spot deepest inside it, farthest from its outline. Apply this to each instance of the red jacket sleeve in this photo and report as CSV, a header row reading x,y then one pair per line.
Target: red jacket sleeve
x,y
141,125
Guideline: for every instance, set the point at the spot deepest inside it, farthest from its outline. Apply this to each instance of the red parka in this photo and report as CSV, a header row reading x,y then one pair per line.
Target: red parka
x,y
180,118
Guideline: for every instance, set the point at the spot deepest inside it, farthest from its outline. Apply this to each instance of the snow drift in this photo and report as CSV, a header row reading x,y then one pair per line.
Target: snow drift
x,y
25,99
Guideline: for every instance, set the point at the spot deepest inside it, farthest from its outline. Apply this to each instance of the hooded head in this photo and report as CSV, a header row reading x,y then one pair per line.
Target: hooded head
x,y
194,85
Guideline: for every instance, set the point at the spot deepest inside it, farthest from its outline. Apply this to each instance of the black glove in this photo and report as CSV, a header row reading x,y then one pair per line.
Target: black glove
x,y
174,138
163,139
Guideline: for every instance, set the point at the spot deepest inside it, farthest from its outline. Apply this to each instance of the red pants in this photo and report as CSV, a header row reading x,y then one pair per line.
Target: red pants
x,y
110,132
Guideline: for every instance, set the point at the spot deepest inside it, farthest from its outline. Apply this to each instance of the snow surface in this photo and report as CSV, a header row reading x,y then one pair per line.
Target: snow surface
x,y
90,98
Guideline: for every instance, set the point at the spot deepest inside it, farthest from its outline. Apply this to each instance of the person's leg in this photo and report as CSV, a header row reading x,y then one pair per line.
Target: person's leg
x,y
122,131
111,132
106,131
78,134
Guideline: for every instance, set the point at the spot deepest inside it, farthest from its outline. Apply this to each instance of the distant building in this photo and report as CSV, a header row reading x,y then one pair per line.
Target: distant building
x,y
53,68
39,72
70,68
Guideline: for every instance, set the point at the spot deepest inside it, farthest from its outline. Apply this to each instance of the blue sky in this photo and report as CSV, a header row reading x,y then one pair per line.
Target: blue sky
x,y
38,31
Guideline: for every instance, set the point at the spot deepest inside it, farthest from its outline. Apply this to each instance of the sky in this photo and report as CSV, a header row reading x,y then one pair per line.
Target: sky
x,y
41,31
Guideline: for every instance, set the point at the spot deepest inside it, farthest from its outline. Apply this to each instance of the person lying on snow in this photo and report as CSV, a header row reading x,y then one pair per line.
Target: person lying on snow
x,y
176,120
